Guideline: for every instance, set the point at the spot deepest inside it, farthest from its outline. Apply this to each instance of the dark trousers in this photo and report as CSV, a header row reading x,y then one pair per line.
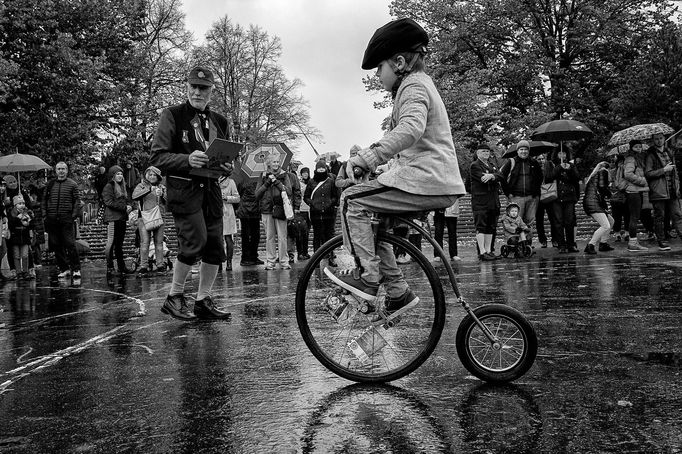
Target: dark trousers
x,y
116,234
621,215
302,239
323,230
250,238
540,221
62,241
661,207
564,214
634,200
440,222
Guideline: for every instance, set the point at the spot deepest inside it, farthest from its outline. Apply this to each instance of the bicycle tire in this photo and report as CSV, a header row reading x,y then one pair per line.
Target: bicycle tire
x,y
408,344
512,358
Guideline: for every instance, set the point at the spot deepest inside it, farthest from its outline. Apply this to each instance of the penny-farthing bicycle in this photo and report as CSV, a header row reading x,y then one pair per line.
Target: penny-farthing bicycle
x,y
495,342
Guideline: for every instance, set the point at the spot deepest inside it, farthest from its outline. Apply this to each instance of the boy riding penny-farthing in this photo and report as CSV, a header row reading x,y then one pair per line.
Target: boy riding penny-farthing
x,y
369,320
423,174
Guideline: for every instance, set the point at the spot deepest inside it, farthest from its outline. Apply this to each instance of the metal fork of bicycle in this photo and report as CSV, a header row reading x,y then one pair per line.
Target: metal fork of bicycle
x,y
354,339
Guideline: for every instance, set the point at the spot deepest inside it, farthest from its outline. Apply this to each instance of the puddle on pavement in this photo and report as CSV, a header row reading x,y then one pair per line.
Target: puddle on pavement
x,y
664,358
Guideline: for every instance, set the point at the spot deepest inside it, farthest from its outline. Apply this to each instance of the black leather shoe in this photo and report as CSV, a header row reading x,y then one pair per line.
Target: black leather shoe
x,y
176,306
259,262
206,309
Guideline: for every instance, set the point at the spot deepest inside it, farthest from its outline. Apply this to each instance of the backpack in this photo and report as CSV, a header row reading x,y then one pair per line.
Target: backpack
x,y
619,181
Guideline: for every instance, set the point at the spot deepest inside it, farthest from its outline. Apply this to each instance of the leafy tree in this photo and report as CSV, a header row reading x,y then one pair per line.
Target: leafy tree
x,y
68,60
506,66
251,86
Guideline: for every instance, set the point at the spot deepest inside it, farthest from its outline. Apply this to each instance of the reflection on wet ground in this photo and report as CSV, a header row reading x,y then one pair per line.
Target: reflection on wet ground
x,y
95,367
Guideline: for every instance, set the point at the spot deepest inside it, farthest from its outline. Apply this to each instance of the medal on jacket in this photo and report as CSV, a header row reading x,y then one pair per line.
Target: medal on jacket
x,y
198,133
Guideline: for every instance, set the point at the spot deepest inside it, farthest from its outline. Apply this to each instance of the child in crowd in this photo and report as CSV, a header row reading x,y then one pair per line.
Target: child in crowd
x,y
515,229
20,222
424,175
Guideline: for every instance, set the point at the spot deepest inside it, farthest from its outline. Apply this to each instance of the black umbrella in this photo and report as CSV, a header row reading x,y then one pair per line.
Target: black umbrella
x,y
537,147
562,130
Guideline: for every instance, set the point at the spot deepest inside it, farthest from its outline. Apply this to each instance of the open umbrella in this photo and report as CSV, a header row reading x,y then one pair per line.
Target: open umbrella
x,y
537,147
561,131
253,163
18,162
620,149
639,132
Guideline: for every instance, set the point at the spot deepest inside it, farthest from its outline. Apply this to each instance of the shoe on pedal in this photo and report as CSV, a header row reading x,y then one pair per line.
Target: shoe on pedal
x,y
347,280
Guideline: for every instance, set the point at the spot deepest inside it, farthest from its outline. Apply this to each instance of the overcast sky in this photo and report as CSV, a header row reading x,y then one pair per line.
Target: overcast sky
x,y
323,42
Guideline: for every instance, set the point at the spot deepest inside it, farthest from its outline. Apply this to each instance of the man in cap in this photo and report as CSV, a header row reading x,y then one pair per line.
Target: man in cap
x,y
62,206
184,134
521,184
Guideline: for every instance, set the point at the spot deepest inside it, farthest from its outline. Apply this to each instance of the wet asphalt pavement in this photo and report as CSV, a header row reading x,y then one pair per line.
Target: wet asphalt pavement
x,y
96,367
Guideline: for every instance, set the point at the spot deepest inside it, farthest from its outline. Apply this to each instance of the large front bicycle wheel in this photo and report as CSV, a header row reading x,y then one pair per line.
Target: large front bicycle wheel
x,y
508,355
347,339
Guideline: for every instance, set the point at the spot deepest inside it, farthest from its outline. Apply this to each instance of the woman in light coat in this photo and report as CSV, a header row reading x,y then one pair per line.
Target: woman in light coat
x,y
231,197
150,193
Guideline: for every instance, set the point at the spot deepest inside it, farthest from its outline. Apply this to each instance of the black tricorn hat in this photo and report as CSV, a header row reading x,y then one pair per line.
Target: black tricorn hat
x,y
397,36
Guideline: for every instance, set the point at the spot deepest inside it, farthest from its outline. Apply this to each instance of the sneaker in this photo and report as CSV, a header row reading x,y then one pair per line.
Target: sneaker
x,y
247,263
605,247
286,266
589,249
351,281
259,262
663,246
161,268
402,259
143,270
436,259
269,267
455,258
395,307
64,274
77,274
634,246
303,257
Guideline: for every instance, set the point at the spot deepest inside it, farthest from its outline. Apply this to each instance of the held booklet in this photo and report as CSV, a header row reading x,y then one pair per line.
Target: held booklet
x,y
220,151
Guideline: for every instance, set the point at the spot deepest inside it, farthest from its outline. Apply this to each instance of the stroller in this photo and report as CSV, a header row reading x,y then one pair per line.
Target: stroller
x,y
166,259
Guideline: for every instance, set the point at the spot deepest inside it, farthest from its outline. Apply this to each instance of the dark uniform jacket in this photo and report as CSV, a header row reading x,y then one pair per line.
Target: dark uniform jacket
x,y
485,196
177,136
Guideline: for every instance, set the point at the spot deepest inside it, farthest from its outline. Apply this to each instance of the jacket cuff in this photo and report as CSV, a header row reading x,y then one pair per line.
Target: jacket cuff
x,y
369,158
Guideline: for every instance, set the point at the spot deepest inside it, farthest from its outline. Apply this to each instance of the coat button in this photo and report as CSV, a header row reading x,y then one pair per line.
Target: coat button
x,y
201,185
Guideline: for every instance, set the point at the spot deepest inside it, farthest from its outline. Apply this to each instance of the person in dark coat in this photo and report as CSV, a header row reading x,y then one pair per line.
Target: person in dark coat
x,y
35,195
664,189
322,196
116,209
61,207
249,217
597,193
485,199
561,170
184,133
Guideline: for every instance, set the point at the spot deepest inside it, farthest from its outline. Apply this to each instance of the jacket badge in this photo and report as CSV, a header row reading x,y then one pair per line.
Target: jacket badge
x,y
185,136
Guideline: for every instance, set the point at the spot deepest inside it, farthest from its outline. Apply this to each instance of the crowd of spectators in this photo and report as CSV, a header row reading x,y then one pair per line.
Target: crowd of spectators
x,y
633,198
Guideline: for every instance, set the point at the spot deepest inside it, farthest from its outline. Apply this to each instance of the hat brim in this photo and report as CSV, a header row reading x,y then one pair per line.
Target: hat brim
x,y
202,82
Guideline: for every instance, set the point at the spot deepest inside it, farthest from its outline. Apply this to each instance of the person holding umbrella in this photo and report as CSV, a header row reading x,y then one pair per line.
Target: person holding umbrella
x,y
563,172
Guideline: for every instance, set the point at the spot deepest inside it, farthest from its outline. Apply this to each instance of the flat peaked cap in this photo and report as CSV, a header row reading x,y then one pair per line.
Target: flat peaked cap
x,y
397,36
200,76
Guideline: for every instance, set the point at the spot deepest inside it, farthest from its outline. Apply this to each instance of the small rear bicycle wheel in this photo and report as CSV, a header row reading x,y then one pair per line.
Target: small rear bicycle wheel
x,y
333,324
512,352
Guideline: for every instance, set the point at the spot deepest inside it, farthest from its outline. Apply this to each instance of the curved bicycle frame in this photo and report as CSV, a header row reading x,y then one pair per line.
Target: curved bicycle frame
x,y
451,272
